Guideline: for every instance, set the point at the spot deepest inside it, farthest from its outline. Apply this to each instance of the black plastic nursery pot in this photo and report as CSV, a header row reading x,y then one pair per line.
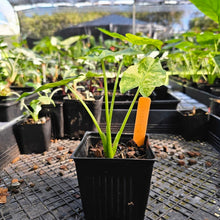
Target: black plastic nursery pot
x,y
112,188
194,126
57,119
77,120
9,110
215,106
33,138
21,89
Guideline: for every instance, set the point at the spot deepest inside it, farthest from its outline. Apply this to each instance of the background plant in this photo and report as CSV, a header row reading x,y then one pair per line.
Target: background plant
x,y
193,56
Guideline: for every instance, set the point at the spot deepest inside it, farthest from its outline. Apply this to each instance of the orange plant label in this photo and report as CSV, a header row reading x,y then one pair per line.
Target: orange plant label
x,y
140,127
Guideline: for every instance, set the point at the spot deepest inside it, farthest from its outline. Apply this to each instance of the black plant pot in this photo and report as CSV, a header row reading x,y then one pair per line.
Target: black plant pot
x,y
57,120
9,108
33,138
77,120
194,127
21,89
112,188
215,106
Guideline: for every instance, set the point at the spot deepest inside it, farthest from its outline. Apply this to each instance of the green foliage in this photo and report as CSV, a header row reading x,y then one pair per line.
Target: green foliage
x,y
195,55
34,109
18,65
35,106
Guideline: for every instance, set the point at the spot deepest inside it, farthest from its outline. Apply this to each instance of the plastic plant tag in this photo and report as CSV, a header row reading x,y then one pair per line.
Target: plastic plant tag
x,y
141,121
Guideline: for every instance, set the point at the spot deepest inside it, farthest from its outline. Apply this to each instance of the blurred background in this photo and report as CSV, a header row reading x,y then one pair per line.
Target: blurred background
x,y
35,19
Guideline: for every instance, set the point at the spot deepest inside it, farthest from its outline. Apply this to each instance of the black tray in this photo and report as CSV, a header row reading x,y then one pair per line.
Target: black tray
x,y
165,101
160,120
199,95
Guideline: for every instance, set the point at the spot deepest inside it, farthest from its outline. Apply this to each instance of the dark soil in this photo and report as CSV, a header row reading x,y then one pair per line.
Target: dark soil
x,y
124,150
42,120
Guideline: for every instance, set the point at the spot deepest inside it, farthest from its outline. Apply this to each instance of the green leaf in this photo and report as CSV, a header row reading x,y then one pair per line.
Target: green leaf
x,y
146,75
71,40
92,74
45,100
189,34
137,40
36,107
206,37
134,39
171,43
104,54
114,35
211,8
49,86
185,45
54,41
107,53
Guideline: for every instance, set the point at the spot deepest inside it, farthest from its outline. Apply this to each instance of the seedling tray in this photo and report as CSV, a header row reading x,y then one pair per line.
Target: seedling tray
x,y
50,191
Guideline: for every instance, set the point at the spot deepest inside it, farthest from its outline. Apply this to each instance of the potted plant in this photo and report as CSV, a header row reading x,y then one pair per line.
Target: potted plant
x,y
33,133
193,124
76,119
54,110
117,188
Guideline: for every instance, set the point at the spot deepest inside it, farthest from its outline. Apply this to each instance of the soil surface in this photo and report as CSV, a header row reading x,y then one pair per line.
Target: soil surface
x,y
42,120
124,150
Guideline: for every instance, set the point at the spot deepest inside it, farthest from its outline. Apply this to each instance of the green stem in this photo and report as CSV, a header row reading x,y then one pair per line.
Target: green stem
x,y
30,112
102,135
118,136
114,91
108,146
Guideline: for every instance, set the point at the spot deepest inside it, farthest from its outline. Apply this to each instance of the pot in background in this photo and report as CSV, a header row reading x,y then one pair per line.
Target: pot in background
x,y
77,120
33,138
194,125
215,106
